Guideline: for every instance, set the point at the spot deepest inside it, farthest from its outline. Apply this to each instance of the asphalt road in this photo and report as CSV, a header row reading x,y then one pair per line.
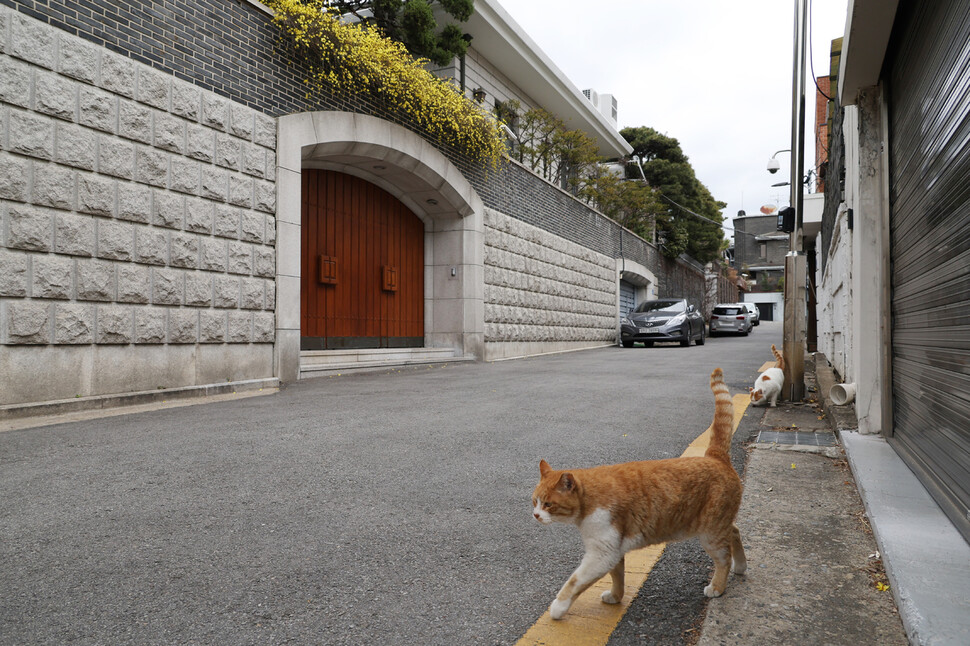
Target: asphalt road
x,y
374,508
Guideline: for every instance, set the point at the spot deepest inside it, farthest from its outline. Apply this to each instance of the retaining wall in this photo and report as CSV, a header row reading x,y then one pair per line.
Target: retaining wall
x,y
138,204
544,293
138,224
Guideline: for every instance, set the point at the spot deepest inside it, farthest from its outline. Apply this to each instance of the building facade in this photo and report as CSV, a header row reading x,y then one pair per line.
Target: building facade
x,y
160,168
894,257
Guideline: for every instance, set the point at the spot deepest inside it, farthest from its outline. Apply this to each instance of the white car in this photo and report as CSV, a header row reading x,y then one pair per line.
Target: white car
x,y
754,312
730,318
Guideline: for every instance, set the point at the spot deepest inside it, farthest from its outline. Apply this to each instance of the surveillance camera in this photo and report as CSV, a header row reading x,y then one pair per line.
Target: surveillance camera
x,y
773,165
509,132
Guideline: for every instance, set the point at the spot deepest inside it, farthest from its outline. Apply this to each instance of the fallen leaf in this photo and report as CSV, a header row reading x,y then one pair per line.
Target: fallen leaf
x,y
882,587
792,465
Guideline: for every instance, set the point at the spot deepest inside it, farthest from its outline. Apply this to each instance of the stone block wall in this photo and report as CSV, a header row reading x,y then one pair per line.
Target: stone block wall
x,y
136,210
544,293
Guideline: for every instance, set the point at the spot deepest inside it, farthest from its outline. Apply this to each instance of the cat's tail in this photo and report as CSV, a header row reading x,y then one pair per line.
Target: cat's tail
x,y
723,425
779,357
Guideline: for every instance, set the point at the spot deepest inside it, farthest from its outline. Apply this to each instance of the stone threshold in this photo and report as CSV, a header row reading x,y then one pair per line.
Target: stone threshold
x,y
319,363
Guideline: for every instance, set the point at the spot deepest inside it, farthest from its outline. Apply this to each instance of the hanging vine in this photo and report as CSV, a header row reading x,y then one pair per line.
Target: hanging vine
x,y
347,57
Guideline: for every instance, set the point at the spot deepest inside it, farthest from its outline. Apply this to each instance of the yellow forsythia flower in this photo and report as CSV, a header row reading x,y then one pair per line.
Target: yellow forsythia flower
x,y
358,60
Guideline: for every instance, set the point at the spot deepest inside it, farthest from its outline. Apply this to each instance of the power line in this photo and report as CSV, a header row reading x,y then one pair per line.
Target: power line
x,y
684,208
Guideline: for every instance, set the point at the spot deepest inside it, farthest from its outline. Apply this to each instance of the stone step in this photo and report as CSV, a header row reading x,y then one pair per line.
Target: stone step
x,y
314,363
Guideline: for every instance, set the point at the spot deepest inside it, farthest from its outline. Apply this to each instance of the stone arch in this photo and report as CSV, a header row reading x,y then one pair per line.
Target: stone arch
x,y
415,172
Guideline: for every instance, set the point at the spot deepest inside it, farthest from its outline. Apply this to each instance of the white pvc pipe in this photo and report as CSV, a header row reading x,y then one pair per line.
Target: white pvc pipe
x,y
842,394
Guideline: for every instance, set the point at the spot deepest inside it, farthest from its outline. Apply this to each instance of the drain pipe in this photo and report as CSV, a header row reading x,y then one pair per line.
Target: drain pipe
x,y
653,232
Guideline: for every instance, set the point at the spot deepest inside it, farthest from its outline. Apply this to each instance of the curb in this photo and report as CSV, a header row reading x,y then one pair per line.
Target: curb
x,y
105,402
841,418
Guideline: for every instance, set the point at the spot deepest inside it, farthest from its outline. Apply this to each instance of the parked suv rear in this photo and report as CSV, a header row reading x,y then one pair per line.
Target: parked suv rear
x,y
753,311
730,317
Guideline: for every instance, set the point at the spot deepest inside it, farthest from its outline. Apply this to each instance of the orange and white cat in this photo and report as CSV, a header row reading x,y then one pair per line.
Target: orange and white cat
x,y
768,385
622,507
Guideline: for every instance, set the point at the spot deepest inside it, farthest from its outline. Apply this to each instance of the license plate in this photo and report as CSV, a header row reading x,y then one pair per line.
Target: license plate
x,y
644,330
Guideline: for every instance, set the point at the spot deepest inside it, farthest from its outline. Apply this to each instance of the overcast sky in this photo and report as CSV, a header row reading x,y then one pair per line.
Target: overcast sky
x,y
715,75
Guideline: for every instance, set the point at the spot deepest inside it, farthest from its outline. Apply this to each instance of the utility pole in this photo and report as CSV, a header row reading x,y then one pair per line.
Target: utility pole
x,y
796,264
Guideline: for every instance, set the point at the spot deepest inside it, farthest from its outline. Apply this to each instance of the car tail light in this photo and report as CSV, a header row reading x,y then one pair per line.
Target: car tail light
x,y
740,318
714,317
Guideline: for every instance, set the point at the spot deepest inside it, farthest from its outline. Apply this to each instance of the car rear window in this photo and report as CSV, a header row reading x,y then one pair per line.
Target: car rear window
x,y
727,311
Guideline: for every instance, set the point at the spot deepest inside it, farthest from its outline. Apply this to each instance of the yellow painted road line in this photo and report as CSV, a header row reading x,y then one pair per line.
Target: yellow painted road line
x,y
768,364
590,622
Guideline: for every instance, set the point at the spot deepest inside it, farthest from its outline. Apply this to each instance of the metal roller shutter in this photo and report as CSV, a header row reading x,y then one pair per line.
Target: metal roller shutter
x,y
929,109
628,297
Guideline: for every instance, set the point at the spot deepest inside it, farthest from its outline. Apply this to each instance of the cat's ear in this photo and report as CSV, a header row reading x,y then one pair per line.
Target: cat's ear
x,y
544,467
750,389
566,483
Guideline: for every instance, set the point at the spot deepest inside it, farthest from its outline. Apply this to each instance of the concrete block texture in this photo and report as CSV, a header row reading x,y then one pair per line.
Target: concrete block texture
x,y
55,95
137,223
75,146
14,177
27,322
13,273
32,41
77,59
29,228
96,280
73,324
540,288
31,134
15,82
53,277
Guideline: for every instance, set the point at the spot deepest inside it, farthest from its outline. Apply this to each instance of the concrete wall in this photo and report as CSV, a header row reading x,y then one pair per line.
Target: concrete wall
x,y
138,229
834,306
544,293
854,288
867,194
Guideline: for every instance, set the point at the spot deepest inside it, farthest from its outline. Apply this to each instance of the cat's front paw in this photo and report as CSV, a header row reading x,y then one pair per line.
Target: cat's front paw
x,y
709,591
558,608
609,597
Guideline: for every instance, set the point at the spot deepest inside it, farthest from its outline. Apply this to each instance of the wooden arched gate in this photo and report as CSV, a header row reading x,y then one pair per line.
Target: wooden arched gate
x,y
363,266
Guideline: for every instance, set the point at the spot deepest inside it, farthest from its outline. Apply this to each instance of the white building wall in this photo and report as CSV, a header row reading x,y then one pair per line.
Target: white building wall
x,y
479,73
853,292
834,292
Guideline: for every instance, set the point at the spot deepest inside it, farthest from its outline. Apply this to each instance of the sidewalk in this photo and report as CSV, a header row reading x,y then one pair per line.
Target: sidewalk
x,y
820,538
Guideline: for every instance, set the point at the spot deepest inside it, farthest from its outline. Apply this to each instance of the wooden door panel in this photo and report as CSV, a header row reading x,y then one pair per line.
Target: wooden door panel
x,y
351,231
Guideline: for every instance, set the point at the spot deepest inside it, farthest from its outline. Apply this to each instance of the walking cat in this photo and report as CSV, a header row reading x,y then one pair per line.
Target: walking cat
x,y
768,385
621,507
